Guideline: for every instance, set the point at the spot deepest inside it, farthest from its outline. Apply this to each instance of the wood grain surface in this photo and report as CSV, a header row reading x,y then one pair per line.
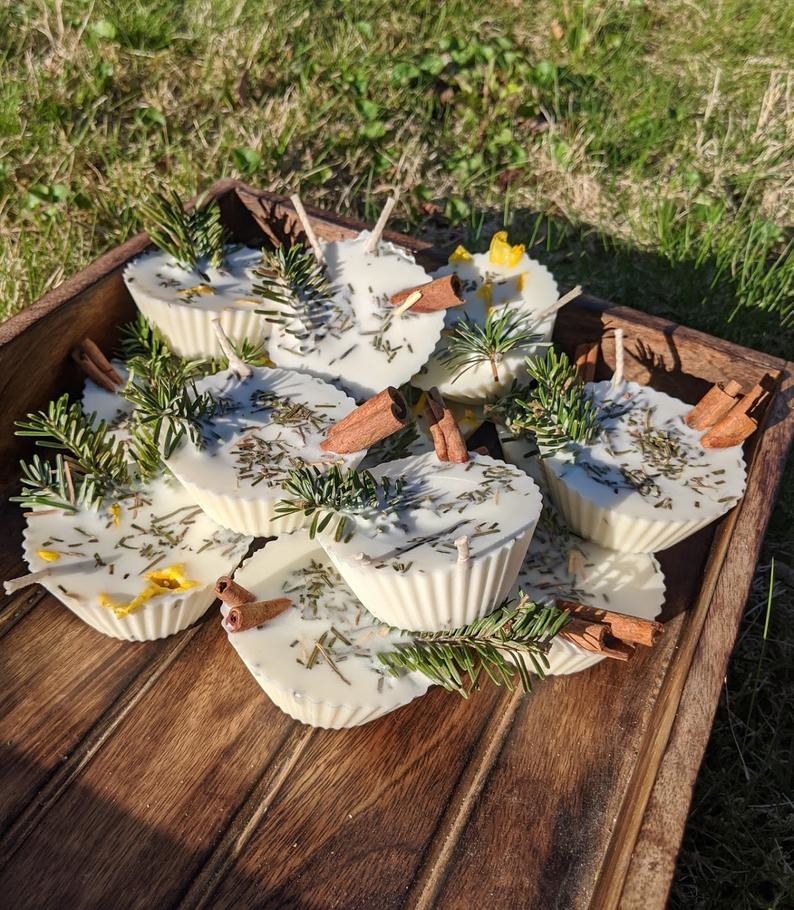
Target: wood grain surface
x,y
159,775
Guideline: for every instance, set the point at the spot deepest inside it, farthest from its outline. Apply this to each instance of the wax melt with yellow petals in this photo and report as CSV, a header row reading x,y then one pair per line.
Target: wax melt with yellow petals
x,y
139,568
508,316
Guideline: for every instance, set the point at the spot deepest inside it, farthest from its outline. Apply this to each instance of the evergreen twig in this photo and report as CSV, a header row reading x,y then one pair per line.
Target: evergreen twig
x,y
556,409
297,284
91,461
328,494
512,642
470,344
189,237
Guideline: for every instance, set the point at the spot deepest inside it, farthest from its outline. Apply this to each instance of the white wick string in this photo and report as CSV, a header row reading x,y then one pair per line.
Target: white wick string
x,y
559,304
462,543
24,581
617,376
300,211
374,238
410,300
239,367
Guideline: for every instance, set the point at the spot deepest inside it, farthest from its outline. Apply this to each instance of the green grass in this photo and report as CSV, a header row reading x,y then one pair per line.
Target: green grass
x,y
642,149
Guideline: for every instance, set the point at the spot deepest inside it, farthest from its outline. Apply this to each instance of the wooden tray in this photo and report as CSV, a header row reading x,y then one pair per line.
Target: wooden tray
x,y
159,775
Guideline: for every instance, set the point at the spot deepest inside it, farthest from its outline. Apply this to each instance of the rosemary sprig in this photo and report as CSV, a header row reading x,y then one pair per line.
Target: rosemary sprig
x,y
325,495
189,237
169,407
510,642
470,344
91,462
556,409
297,284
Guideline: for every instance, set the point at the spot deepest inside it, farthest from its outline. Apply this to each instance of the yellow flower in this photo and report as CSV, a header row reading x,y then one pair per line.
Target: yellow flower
x,y
115,513
169,580
459,254
48,555
485,293
502,253
172,578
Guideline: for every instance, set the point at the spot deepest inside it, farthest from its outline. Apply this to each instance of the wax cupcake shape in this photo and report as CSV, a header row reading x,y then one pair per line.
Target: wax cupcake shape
x,y
193,277
314,649
561,567
442,544
368,318
261,424
622,465
510,308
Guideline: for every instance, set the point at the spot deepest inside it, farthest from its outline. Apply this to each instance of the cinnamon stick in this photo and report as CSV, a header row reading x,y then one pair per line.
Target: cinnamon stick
x,y
232,594
736,425
629,629
439,294
714,405
596,637
250,615
444,431
96,366
586,359
384,414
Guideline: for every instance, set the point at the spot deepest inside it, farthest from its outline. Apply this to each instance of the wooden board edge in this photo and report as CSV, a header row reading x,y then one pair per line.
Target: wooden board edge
x,y
652,866
777,434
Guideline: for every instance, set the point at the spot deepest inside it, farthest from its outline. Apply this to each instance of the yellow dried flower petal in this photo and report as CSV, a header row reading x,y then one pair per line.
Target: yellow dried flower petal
x,y
115,513
521,280
503,253
485,293
171,578
48,555
459,254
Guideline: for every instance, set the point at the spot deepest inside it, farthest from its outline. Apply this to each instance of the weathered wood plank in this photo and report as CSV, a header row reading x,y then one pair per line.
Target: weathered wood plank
x,y
59,678
654,856
362,807
136,825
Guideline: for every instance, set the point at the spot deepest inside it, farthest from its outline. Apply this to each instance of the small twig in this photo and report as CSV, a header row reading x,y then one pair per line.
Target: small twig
x,y
374,238
239,367
300,211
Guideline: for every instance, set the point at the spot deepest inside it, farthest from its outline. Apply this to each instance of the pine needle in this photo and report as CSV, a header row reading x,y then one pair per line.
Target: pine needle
x,y
507,646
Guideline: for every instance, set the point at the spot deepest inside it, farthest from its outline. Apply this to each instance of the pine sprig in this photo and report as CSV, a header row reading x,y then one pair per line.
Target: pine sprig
x,y
325,495
506,646
189,237
470,344
168,408
556,409
143,348
91,464
297,284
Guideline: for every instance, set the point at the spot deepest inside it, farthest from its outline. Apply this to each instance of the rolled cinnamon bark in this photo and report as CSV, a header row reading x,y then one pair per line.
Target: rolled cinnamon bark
x,y
714,405
96,366
250,615
736,425
630,629
439,294
442,424
232,594
596,637
384,414
586,359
